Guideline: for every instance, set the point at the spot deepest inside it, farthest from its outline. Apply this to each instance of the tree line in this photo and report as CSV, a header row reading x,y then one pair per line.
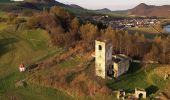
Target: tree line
x,y
67,31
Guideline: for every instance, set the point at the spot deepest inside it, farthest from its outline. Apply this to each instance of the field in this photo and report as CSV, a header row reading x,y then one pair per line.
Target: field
x,y
148,32
27,46
2,14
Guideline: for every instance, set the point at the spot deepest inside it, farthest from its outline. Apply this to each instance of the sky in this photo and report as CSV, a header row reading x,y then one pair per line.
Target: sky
x,y
113,4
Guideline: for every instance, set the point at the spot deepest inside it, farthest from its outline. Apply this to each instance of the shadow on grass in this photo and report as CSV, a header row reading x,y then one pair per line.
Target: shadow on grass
x,y
134,67
130,80
151,90
31,67
4,45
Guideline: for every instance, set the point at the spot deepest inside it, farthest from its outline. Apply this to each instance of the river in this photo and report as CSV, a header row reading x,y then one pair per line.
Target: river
x,y
167,28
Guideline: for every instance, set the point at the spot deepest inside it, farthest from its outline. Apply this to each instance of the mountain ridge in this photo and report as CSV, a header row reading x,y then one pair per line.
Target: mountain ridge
x,y
76,6
150,10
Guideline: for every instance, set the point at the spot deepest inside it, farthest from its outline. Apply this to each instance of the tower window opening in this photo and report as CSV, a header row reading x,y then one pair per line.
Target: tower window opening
x,y
100,47
100,71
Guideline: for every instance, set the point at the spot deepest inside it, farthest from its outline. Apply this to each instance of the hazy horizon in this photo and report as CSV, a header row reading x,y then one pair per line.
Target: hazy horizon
x,y
113,4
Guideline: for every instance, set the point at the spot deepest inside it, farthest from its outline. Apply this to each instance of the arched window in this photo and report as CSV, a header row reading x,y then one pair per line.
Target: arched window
x,y
140,95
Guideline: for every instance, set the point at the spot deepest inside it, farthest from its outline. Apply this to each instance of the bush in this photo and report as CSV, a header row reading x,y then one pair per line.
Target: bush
x,y
20,83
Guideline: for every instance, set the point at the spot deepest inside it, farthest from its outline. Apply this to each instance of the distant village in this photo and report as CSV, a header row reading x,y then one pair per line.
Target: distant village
x,y
122,23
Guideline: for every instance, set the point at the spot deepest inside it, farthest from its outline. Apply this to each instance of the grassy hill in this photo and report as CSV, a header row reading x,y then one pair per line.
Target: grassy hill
x,y
73,74
27,46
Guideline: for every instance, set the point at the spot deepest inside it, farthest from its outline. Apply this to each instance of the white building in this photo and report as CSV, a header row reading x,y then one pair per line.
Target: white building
x,y
140,93
22,68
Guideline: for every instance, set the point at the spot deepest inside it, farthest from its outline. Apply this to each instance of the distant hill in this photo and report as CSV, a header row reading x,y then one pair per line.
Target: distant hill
x,y
104,10
33,5
150,10
40,1
5,1
38,5
75,6
31,1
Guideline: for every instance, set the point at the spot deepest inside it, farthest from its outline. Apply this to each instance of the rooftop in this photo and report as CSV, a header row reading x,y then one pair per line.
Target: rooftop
x,y
120,57
139,89
103,40
116,60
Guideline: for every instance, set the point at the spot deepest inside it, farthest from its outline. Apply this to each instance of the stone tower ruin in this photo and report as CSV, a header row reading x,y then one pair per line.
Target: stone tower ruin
x,y
103,58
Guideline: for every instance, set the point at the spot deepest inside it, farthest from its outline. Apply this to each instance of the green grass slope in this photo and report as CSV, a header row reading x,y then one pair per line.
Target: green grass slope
x,y
138,77
28,46
6,1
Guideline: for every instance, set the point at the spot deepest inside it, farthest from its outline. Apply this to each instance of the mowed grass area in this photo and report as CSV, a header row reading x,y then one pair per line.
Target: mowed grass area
x,y
148,32
3,14
28,46
139,77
